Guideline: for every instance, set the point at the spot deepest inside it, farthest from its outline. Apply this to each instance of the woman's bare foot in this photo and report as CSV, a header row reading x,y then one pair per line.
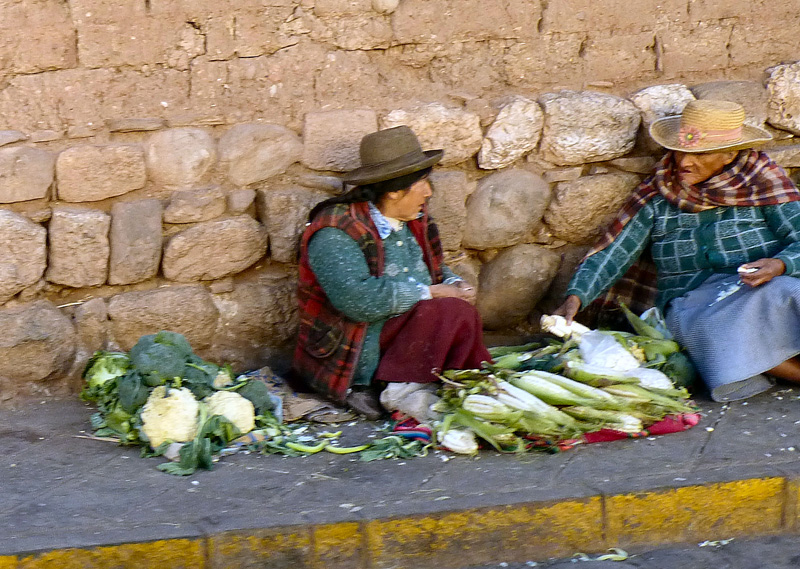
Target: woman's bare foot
x,y
788,370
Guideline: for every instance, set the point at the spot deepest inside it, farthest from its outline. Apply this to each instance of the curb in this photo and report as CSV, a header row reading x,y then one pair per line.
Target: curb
x,y
469,537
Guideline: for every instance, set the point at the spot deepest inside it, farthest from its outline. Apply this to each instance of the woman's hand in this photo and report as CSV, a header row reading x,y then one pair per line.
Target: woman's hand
x,y
461,290
766,270
469,292
569,309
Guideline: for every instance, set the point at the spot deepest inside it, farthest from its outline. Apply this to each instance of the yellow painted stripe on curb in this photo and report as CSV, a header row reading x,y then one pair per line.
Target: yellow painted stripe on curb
x,y
474,537
169,553
694,513
791,513
338,546
278,547
533,531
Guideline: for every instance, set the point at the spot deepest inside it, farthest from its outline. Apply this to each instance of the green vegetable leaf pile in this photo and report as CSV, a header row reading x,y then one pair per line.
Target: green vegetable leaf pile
x,y
162,373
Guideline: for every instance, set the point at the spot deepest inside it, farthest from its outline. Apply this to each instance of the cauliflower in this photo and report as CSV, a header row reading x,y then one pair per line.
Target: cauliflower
x,y
223,379
234,408
170,415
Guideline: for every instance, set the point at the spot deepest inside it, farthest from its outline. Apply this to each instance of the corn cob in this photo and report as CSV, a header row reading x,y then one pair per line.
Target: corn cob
x,y
460,375
521,399
512,361
677,406
641,327
539,425
497,351
547,391
580,389
677,393
629,396
490,409
595,375
654,348
484,429
557,326
624,422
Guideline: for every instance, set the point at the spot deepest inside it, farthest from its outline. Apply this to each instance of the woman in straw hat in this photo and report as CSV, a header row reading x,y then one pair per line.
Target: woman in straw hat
x,y
721,223
377,302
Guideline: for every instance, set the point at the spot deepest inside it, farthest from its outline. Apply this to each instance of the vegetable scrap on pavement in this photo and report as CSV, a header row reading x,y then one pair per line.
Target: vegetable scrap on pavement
x,y
574,386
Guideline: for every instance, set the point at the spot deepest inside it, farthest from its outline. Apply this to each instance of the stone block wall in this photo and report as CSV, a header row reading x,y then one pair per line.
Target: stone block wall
x,y
158,158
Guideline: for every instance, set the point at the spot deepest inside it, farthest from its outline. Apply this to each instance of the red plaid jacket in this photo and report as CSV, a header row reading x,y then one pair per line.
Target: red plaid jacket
x,y
329,344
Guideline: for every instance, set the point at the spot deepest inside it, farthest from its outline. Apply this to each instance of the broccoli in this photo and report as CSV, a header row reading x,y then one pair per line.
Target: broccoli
x,y
258,394
199,376
178,342
160,357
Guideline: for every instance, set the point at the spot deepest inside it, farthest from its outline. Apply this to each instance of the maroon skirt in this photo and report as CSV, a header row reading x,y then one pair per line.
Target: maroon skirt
x,y
436,334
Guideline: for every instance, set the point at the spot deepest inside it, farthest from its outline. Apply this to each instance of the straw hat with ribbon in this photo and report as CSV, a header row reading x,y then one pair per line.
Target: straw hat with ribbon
x,y
707,125
389,154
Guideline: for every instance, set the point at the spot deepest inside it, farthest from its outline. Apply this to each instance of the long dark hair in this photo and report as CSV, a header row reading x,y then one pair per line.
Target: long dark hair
x,y
371,192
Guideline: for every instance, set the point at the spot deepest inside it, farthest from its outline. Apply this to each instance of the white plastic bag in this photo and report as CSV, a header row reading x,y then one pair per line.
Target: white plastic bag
x,y
651,378
603,350
413,399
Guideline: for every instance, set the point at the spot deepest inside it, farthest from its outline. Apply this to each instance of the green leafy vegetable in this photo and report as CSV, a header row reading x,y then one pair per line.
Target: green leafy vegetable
x,y
158,363
258,394
132,391
394,446
101,368
215,433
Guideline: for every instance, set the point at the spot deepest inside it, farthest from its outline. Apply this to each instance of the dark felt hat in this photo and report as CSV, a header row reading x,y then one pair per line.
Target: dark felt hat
x,y
389,154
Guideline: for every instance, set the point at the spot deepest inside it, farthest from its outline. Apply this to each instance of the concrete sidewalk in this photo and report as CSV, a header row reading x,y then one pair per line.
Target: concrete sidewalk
x,y
70,502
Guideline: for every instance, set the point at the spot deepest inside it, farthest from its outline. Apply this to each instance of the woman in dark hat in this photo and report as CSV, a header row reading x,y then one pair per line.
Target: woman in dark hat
x,y
377,302
721,223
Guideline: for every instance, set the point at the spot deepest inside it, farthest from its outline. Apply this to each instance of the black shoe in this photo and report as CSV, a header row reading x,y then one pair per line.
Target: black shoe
x,y
366,403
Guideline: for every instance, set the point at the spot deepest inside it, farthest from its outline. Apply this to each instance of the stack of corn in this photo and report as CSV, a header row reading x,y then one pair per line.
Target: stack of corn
x,y
546,391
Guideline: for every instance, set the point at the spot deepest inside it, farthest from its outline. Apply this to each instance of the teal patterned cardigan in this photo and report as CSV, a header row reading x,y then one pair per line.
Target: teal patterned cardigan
x,y
687,248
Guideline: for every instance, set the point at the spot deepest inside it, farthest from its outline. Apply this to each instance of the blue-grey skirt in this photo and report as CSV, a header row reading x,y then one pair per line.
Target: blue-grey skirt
x,y
734,333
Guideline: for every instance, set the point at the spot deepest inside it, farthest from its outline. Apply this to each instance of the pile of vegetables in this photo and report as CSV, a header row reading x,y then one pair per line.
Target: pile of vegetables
x,y
161,394
172,403
580,381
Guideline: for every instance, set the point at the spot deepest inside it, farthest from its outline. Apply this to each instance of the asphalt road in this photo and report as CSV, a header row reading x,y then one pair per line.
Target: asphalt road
x,y
774,552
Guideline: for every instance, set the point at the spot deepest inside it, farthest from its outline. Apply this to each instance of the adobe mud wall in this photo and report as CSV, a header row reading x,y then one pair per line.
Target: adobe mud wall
x,y
158,158
70,66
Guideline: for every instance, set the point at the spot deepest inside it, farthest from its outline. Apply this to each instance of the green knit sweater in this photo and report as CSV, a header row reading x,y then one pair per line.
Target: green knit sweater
x,y
342,271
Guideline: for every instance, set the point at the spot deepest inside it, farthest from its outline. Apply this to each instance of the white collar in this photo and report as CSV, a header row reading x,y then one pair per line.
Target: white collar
x,y
385,225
